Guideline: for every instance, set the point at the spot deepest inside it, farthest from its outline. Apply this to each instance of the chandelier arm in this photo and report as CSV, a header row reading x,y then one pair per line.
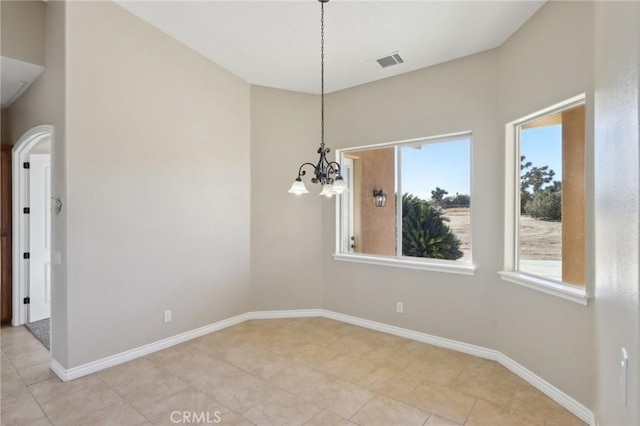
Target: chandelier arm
x,y
335,169
303,172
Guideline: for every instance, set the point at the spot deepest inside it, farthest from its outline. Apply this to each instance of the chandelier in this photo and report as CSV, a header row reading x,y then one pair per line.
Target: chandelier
x,y
324,170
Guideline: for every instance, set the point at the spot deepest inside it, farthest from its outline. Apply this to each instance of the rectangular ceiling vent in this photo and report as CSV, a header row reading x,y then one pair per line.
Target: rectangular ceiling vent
x,y
390,60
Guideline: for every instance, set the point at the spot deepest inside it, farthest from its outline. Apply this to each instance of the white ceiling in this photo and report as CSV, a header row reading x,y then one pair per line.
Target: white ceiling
x,y
277,43
15,77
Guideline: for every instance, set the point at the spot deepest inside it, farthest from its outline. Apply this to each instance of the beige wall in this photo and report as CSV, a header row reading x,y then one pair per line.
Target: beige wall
x,y
158,185
44,103
23,28
616,206
286,233
548,60
452,97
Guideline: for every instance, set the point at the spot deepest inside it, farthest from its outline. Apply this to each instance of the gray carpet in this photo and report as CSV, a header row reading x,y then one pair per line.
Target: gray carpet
x,y
40,329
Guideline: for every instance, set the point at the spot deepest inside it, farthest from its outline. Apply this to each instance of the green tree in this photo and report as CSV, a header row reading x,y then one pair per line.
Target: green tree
x,y
545,205
425,232
437,195
532,180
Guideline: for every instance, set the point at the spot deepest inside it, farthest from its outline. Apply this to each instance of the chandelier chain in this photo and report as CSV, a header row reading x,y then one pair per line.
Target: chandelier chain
x,y
322,74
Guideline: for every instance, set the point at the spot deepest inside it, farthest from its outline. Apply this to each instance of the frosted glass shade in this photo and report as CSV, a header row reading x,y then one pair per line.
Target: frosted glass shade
x,y
298,187
327,191
339,186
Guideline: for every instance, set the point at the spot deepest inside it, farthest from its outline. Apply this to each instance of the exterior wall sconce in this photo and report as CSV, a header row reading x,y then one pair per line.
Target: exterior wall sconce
x,y
379,197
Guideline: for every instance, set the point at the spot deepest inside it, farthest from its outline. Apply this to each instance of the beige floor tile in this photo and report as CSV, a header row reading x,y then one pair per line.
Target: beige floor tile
x,y
171,352
132,371
391,356
12,387
298,377
168,410
5,364
485,413
282,408
141,394
10,336
441,372
440,421
119,414
381,410
338,396
197,365
314,356
537,408
264,363
67,407
231,418
501,371
23,411
350,368
272,370
54,388
442,400
492,387
424,350
240,393
391,382
327,418
37,373
27,355
355,346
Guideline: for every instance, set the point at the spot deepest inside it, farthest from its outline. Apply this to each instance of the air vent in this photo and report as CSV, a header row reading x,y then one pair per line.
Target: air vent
x,y
389,61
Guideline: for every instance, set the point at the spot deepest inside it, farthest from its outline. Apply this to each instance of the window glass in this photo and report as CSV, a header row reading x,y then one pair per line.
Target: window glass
x,y
430,219
552,191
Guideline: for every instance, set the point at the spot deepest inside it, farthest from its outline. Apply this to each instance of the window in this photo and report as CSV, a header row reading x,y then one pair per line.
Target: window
x,y
409,204
546,234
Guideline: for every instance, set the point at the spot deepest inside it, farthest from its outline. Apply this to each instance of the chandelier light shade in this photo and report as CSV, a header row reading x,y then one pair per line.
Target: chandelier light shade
x,y
325,172
379,197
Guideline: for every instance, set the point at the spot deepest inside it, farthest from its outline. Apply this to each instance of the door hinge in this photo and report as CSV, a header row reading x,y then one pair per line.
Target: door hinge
x,y
26,300
26,255
26,165
26,210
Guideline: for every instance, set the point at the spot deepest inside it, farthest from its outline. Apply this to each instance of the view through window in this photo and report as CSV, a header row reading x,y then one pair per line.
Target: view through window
x,y
427,211
552,196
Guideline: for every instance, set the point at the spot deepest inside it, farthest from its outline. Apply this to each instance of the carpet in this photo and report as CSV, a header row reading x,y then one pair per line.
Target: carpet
x,y
41,330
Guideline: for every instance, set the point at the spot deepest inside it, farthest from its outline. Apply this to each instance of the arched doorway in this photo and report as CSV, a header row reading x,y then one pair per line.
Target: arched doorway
x,y
32,225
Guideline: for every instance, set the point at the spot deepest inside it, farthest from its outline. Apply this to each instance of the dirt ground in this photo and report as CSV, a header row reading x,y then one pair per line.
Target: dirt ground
x,y
539,239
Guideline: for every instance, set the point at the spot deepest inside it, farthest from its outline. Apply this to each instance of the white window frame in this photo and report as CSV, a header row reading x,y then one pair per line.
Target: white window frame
x,y
510,272
427,264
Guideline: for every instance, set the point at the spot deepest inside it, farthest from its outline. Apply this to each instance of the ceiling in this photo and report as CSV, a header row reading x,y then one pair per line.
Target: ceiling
x,y
277,43
16,78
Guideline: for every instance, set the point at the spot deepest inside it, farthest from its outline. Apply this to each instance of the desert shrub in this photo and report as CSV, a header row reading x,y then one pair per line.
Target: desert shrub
x,y
458,200
425,232
546,205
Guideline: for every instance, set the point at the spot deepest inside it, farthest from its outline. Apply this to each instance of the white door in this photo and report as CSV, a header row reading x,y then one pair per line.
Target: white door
x,y
39,236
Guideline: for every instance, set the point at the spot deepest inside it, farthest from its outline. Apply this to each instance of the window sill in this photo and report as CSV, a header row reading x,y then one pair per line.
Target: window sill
x,y
568,292
448,266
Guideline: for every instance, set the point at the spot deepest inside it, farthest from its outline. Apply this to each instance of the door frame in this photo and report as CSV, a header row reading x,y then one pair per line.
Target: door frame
x,y
20,186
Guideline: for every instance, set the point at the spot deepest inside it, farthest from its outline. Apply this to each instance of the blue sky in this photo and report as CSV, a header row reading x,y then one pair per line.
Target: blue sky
x,y
543,147
444,164
447,164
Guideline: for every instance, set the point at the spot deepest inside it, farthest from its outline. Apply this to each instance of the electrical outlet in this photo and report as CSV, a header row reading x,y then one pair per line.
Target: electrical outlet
x,y
167,316
399,308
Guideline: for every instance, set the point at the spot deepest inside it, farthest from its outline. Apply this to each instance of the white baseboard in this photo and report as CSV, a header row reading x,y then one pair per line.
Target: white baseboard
x,y
536,381
122,357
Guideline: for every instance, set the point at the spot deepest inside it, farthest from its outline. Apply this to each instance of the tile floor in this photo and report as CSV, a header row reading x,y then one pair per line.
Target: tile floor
x,y
310,371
